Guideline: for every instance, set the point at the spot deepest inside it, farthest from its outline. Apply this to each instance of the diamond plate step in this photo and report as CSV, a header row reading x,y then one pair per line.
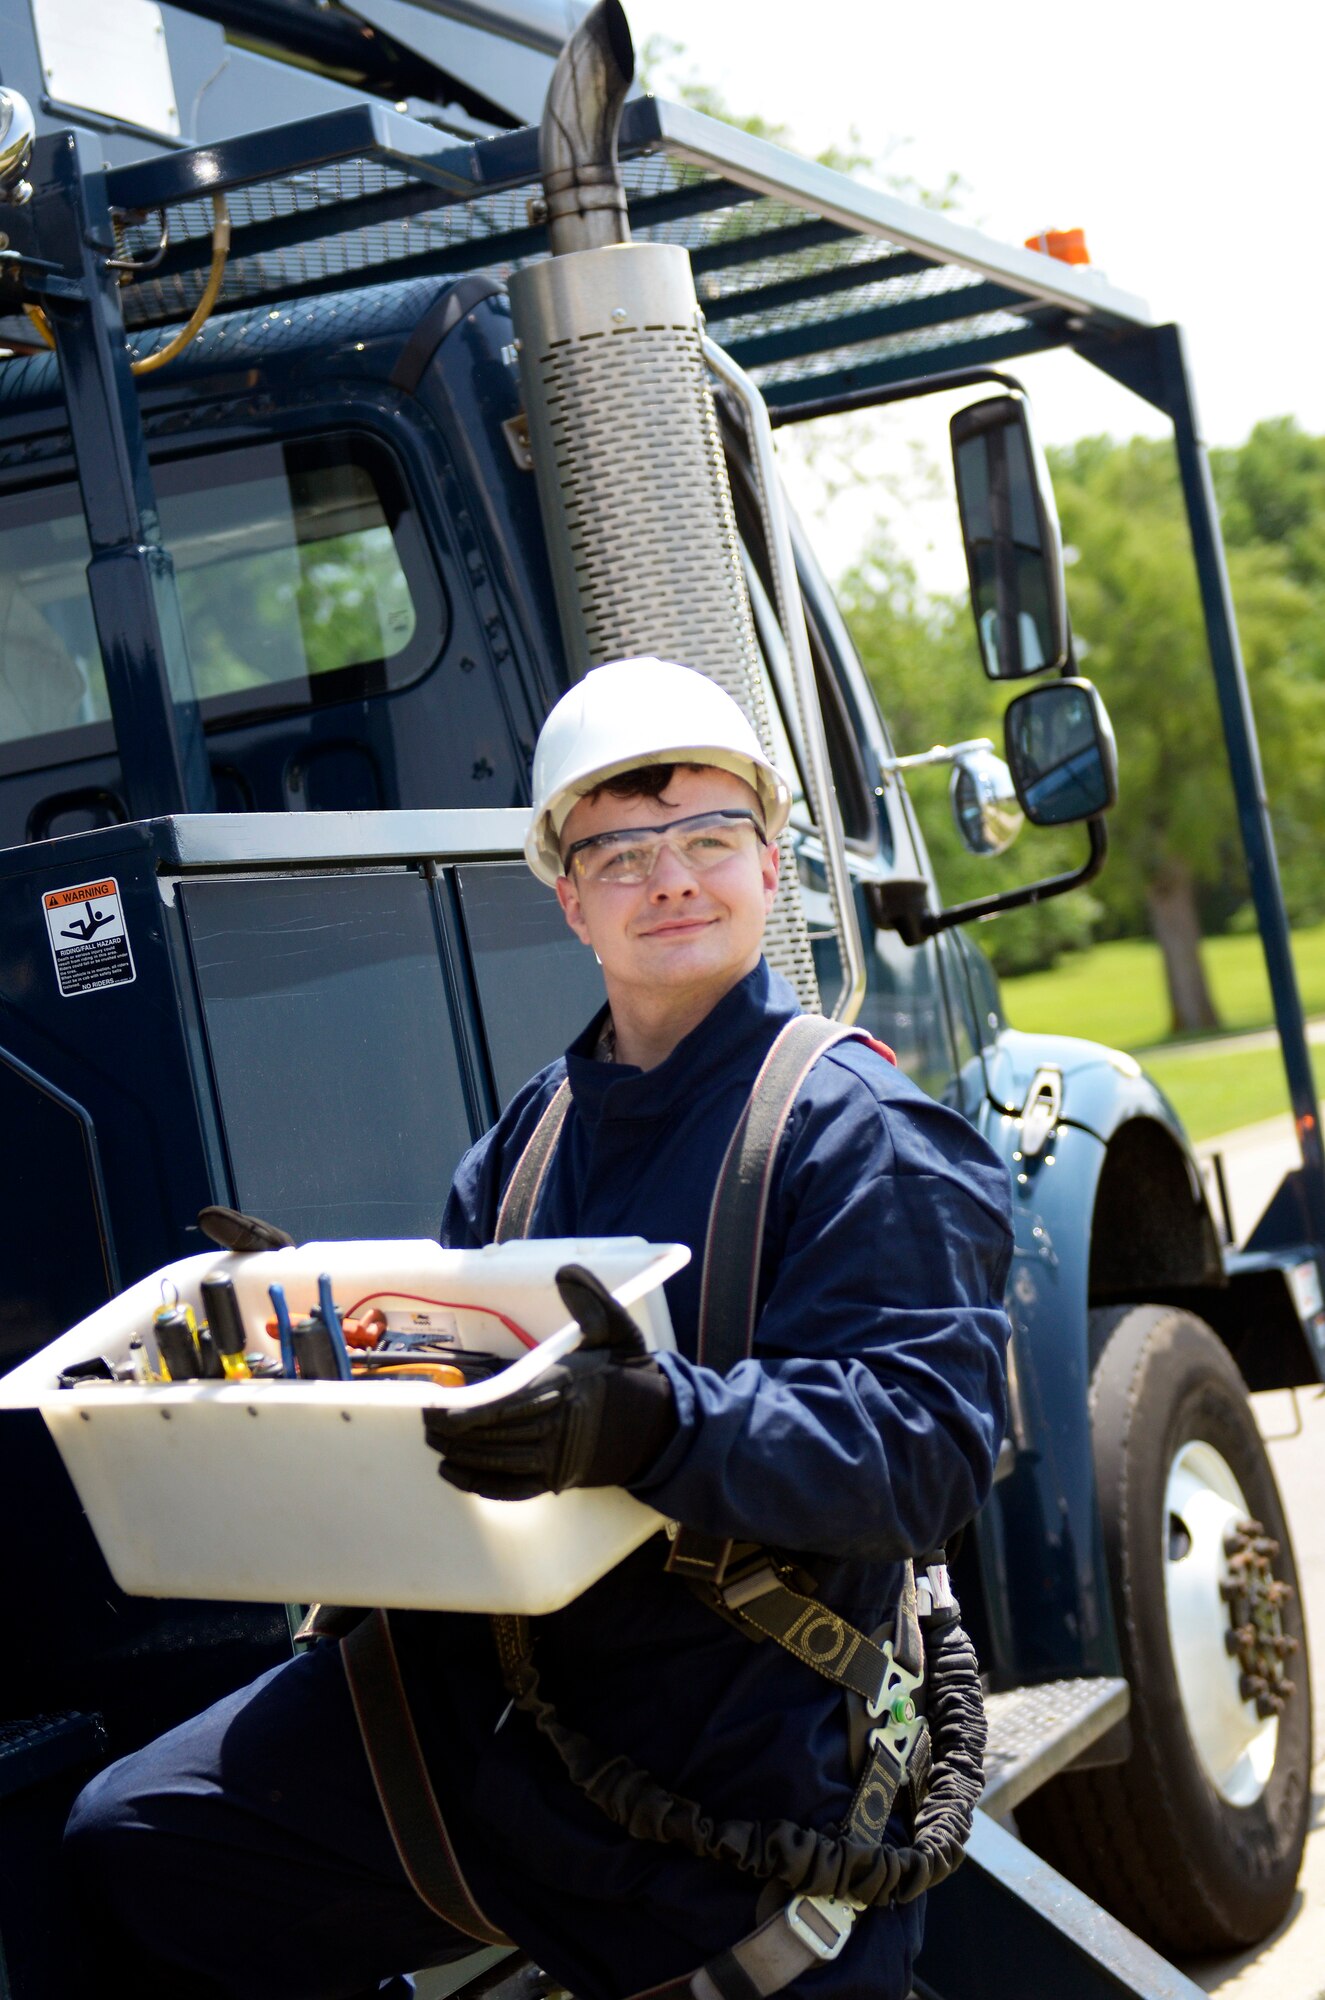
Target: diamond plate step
x,y
1035,1732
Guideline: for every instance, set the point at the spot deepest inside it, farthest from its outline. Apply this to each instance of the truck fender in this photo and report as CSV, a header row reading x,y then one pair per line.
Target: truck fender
x,y
1106,1194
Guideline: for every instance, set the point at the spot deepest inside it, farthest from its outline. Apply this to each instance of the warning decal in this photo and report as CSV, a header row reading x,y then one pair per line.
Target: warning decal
x,y
88,938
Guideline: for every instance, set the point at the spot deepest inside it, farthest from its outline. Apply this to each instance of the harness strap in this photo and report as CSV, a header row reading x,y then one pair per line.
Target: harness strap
x,y
813,1634
807,1931
526,1183
734,1241
404,1789
813,1929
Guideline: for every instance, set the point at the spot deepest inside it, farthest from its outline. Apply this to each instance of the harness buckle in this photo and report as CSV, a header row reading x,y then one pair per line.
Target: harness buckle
x,y
900,1725
897,1684
821,1922
751,1584
934,1591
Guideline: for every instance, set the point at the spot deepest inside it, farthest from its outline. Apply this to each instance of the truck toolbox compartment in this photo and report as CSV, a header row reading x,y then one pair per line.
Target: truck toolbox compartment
x,y
282,1491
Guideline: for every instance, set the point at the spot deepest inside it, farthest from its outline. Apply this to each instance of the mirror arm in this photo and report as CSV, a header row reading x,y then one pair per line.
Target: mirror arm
x,y
914,925
942,753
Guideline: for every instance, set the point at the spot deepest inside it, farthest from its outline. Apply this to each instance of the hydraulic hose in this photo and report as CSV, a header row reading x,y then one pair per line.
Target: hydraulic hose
x,y
202,312
197,319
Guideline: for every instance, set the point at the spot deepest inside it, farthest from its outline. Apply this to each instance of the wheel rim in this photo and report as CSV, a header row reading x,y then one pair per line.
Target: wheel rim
x,y
1204,1506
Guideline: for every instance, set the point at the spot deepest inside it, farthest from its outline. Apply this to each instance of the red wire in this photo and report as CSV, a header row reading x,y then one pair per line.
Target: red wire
x,y
451,1305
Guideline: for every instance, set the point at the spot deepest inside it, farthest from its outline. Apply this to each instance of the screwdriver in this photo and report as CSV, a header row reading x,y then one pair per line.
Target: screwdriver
x,y
326,1310
176,1338
315,1351
209,1358
319,1342
226,1325
276,1293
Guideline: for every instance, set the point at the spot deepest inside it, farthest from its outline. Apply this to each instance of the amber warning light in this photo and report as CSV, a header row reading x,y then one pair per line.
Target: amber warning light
x,y
1068,245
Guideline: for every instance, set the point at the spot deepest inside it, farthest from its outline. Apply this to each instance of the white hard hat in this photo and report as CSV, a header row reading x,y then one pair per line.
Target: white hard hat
x,y
630,714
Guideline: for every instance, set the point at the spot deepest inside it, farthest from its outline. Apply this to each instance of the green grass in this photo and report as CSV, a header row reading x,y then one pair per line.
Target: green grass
x,y
1116,994
1220,1090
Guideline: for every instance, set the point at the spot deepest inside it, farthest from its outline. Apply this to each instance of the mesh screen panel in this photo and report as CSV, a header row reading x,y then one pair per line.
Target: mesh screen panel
x,y
636,503
764,266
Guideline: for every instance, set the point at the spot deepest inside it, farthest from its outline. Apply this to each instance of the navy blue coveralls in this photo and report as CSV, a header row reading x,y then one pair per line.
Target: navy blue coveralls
x,y
863,1430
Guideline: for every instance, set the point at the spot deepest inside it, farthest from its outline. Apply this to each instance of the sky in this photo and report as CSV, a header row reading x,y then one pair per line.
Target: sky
x,y
1186,140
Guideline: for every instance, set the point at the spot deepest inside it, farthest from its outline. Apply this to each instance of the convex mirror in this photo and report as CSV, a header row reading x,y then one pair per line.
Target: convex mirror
x,y
1060,750
1014,551
984,800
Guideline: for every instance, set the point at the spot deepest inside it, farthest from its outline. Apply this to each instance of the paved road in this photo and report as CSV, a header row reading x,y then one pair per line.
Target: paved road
x,y
1290,1965
1208,1045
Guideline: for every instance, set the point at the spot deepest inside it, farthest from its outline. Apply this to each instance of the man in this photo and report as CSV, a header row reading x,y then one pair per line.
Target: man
x,y
862,1429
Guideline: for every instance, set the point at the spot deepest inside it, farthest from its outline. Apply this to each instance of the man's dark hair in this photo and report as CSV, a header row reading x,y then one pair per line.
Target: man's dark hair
x,y
646,781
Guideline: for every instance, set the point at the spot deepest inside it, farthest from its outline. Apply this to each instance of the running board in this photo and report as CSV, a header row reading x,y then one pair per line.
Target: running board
x,y
1037,1934
1007,1926
1036,1732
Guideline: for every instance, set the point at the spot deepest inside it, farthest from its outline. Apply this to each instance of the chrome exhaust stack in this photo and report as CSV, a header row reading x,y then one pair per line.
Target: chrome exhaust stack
x,y
582,191
632,478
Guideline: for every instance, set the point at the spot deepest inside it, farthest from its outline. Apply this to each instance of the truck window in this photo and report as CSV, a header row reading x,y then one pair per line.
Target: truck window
x,y
841,733
325,1008
537,984
853,796
303,576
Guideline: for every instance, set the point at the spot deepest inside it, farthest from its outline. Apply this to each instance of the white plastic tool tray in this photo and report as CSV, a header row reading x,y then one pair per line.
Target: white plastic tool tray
x,y
275,1491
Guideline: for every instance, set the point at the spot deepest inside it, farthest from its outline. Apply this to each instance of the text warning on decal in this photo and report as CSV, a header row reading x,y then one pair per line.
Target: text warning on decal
x,y
88,937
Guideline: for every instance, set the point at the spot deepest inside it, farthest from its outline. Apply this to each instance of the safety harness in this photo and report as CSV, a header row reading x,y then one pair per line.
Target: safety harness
x,y
934,1758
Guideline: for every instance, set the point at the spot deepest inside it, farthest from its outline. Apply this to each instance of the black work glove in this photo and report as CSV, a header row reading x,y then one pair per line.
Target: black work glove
x,y
598,1418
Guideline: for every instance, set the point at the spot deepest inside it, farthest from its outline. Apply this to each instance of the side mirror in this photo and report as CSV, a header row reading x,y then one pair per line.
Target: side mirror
x,y
1061,753
984,801
1014,551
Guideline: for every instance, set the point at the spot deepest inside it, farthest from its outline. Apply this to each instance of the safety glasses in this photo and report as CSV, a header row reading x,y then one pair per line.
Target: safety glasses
x,y
629,854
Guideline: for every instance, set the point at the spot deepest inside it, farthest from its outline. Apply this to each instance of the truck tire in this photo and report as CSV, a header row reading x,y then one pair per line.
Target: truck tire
x,y
1195,1842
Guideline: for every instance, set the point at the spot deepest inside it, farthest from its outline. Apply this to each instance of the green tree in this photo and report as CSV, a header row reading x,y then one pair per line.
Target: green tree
x,y
1136,613
1272,489
921,656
